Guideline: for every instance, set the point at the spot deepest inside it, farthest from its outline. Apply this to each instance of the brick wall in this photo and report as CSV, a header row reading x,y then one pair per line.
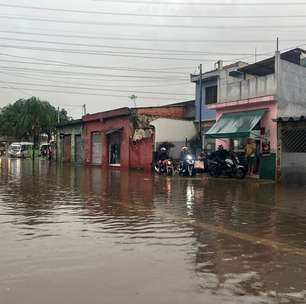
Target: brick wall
x,y
168,112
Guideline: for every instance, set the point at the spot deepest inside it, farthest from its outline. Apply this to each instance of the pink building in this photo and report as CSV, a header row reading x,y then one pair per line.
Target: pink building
x,y
249,100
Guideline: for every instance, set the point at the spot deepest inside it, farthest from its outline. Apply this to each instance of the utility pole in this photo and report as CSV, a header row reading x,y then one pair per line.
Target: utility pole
x,y
277,44
255,55
84,109
58,115
200,108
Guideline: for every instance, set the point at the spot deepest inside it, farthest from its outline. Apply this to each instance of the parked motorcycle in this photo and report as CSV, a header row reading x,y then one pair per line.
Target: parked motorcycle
x,y
231,167
187,166
165,167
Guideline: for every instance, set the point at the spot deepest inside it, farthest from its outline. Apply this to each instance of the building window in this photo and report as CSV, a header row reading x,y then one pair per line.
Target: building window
x,y
211,94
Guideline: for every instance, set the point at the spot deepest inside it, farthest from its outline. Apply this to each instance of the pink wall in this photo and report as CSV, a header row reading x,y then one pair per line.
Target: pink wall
x,y
266,122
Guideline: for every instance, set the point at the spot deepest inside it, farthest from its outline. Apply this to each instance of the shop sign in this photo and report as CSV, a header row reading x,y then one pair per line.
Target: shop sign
x,y
266,149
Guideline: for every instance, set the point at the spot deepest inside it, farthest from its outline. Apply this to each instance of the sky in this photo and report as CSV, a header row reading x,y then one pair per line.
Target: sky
x,y
101,52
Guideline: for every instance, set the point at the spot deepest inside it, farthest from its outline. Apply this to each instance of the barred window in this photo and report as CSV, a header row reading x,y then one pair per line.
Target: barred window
x,y
294,140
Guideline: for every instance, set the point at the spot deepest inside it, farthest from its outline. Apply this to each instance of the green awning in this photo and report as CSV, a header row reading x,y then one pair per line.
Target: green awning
x,y
235,125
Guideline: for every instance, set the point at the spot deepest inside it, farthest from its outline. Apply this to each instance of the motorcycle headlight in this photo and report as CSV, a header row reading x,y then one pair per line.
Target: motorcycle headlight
x,y
169,162
189,157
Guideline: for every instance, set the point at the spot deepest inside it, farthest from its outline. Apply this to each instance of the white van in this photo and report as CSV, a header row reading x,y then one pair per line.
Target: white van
x,y
22,149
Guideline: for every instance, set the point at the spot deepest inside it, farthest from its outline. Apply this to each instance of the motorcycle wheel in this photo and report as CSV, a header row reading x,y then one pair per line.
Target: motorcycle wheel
x,y
240,173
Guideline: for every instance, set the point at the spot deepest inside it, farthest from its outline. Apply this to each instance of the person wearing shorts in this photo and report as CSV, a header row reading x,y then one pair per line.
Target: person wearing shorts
x,y
250,153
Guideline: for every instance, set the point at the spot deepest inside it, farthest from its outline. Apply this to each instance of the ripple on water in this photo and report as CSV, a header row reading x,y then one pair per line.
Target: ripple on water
x,y
204,240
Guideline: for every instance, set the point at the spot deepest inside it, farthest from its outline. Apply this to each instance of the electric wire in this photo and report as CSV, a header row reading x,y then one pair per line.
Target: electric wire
x,y
149,15
86,94
120,85
92,89
168,40
166,51
84,73
155,25
88,52
190,3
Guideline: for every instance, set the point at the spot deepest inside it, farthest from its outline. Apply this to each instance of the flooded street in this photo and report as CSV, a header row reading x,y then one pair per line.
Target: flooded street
x,y
73,234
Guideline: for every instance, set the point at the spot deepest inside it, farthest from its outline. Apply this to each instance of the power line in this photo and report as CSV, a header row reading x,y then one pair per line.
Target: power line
x,y
86,94
24,75
87,52
10,87
89,67
84,73
159,70
192,26
98,37
92,89
255,3
167,51
66,75
149,15
59,79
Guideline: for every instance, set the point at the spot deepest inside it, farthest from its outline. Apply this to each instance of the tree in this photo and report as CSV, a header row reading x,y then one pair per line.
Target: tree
x,y
27,119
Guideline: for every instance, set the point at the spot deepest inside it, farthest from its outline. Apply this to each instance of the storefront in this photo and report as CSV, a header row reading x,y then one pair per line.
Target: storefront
x,y
70,142
252,119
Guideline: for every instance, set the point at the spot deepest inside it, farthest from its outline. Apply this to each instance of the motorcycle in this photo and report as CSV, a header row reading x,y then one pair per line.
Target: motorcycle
x,y
187,166
165,167
231,167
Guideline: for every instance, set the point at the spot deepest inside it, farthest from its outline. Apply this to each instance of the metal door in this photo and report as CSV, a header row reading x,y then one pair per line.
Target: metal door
x,y
78,149
67,148
96,148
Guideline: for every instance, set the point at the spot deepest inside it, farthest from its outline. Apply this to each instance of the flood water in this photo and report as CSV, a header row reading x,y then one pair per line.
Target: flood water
x,y
73,234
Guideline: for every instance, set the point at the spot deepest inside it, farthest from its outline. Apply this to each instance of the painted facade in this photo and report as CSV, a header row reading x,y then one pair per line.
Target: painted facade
x,y
70,142
276,85
210,80
101,124
127,138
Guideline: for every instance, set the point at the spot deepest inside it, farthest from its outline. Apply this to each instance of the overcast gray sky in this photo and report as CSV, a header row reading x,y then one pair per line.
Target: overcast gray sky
x,y
101,52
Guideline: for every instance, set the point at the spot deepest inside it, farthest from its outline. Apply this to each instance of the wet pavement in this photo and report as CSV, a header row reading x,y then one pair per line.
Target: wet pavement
x,y
73,234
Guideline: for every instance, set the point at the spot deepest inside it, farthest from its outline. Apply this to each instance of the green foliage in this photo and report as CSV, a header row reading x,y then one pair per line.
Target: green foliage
x,y
28,118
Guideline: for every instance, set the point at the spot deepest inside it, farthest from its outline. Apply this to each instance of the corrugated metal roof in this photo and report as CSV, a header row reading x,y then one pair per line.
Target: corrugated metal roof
x,y
291,118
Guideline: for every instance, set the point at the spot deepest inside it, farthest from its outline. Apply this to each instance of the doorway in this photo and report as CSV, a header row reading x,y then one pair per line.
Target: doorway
x,y
114,148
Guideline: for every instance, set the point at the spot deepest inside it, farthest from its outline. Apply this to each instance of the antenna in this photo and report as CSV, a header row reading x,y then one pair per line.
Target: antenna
x,y
133,98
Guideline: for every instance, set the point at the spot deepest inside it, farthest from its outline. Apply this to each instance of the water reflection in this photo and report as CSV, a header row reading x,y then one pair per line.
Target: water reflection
x,y
170,239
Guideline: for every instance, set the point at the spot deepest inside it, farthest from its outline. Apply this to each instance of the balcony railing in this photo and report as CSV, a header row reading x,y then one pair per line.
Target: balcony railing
x,y
245,89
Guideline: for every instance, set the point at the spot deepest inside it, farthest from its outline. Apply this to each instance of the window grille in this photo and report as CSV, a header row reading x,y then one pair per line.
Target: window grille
x,y
294,140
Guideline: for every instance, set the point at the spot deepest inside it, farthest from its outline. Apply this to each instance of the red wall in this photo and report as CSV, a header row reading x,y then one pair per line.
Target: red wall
x,y
138,155
104,126
133,154
141,154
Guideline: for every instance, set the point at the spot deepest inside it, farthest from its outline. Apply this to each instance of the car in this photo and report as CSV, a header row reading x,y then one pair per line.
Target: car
x,y
20,150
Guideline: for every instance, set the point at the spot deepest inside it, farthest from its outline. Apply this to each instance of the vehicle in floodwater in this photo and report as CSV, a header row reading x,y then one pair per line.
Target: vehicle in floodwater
x,y
20,150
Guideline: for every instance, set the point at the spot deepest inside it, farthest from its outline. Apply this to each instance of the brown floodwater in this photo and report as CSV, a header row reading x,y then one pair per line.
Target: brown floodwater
x,y
73,234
